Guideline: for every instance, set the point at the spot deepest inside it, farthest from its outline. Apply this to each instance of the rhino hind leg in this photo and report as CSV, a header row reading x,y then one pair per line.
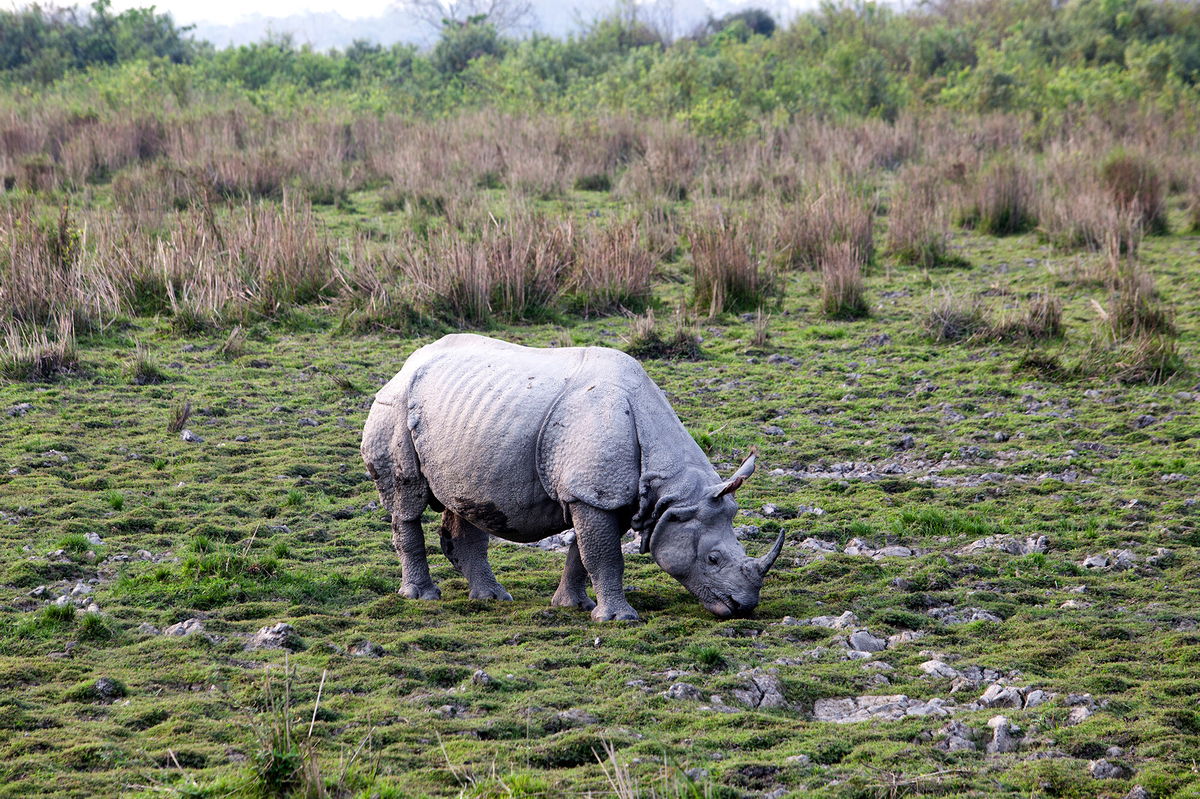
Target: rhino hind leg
x,y
598,536
409,540
466,546
572,589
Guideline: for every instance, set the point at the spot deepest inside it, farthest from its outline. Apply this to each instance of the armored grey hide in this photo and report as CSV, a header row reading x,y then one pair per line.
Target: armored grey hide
x,y
523,443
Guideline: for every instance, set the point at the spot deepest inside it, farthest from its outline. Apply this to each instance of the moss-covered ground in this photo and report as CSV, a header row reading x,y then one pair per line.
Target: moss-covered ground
x,y
272,518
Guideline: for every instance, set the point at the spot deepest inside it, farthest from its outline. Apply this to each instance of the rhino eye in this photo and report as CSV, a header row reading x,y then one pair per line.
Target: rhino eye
x,y
714,558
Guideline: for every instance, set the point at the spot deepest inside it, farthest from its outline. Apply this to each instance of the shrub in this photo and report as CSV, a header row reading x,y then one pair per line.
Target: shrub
x,y
144,369
954,318
802,232
645,341
1138,188
1151,359
31,355
1134,308
1041,320
728,275
842,293
1001,201
918,233
612,270
180,413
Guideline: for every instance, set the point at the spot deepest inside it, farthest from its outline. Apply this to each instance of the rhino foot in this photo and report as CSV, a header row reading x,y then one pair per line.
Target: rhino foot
x,y
564,600
614,613
494,592
430,591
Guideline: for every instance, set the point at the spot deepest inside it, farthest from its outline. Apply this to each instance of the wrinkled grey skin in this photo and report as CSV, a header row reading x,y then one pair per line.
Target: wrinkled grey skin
x,y
523,443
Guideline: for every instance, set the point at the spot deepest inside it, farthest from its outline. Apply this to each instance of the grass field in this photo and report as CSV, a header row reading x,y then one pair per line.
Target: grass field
x,y
872,433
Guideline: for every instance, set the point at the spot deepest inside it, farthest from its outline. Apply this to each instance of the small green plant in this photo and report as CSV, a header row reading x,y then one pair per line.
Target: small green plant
x,y
94,627
707,657
144,369
159,464
58,615
74,543
115,499
294,497
180,413
644,340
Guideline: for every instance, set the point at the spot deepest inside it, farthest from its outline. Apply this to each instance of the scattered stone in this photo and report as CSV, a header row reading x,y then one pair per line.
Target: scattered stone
x,y
1137,792
577,717
481,677
998,695
952,615
20,409
190,437
889,708
106,688
1074,604
308,421
1118,559
276,636
39,592
863,641
1145,420
846,620
1078,715
1037,697
366,649
1161,557
187,627
936,668
1004,736
904,442
768,509
956,737
1007,543
906,637
696,774
1103,769
878,340
893,552
241,439
799,760
818,545
450,711
682,690
762,691
80,589
94,539
146,628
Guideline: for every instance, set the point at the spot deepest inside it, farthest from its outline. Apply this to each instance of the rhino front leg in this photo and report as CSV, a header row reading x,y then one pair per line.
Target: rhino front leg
x,y
598,536
409,540
467,546
572,589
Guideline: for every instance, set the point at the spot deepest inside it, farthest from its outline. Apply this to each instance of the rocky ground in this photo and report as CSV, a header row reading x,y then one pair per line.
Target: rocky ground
x,y
988,586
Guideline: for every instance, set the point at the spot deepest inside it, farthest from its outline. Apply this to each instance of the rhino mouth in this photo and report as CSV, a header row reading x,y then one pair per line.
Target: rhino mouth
x,y
728,608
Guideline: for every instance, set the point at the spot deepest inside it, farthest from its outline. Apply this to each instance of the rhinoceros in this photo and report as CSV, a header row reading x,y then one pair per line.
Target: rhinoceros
x,y
522,443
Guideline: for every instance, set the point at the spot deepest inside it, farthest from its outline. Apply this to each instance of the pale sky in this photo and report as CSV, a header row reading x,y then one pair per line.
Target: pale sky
x,y
227,11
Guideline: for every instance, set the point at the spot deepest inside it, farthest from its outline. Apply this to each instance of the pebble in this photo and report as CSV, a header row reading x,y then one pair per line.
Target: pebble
x,y
190,437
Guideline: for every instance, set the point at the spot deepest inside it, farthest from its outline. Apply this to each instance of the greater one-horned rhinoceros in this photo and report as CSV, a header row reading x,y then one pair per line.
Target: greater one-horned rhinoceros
x,y
523,443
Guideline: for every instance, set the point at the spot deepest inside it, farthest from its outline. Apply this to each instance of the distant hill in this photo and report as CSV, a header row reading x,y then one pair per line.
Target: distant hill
x,y
327,29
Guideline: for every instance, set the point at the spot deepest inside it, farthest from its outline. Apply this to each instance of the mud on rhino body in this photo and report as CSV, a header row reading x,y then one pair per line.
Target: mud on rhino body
x,y
524,443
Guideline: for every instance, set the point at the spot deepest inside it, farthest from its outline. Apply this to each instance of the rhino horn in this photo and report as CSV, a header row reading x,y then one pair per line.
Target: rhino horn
x,y
744,471
763,564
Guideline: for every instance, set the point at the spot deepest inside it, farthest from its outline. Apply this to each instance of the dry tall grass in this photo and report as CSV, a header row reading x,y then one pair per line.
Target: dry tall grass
x,y
918,229
728,274
842,292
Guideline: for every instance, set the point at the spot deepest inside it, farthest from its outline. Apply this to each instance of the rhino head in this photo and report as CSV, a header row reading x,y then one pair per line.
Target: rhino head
x,y
693,541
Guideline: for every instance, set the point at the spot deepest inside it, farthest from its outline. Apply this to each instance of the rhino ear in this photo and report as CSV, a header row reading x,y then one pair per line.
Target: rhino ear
x,y
739,477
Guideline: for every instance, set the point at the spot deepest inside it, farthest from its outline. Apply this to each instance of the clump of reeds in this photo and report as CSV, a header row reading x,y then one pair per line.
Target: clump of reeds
x,y
31,354
1001,201
843,295
728,273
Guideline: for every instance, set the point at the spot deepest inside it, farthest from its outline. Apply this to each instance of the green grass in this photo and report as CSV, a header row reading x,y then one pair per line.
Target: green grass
x,y
280,528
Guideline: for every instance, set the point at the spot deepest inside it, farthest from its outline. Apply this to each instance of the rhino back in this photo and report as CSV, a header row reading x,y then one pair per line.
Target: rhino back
x,y
475,407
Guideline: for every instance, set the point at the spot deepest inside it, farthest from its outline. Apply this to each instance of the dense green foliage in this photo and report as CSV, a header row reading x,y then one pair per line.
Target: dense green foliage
x,y
741,70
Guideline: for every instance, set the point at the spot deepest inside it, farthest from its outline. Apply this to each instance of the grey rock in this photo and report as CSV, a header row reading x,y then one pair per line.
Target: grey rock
x,y
844,621
20,409
863,641
39,592
1104,769
799,760
190,437
1004,736
1078,715
818,545
998,695
1145,420
1095,562
241,439
276,636
107,688
887,707
1137,792
936,668
906,637
1037,697
956,737
308,421
146,628
186,627
1007,543
953,615
893,552
365,649
94,539
577,717
696,774
481,677
683,690
763,690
